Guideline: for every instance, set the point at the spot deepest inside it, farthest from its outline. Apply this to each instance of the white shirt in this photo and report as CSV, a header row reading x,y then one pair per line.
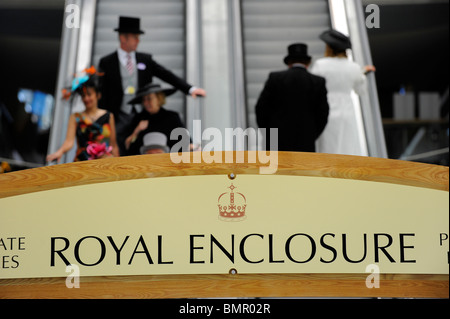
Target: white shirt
x,y
123,59
299,65
122,54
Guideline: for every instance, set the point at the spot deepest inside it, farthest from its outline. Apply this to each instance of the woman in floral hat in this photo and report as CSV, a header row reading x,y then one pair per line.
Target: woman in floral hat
x,y
93,129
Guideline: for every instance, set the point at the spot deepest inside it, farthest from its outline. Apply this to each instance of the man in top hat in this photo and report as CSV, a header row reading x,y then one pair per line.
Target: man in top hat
x,y
295,102
126,70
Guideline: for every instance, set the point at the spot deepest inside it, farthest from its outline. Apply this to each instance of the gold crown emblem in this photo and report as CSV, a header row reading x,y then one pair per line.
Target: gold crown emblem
x,y
232,207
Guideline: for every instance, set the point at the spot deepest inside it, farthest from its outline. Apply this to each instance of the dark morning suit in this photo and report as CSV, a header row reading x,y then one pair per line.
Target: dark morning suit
x,y
111,82
295,102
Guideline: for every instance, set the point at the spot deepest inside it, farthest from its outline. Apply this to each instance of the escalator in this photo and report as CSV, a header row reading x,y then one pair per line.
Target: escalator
x,y
268,28
164,25
227,47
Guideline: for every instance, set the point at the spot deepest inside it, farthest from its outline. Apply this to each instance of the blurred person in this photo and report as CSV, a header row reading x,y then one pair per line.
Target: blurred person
x,y
6,127
153,118
94,128
295,102
126,70
342,76
154,143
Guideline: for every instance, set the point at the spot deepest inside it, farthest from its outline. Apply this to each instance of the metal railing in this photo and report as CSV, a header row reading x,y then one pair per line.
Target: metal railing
x,y
75,54
370,108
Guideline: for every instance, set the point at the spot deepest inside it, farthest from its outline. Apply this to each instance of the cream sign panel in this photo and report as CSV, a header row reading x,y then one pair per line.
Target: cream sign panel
x,y
211,225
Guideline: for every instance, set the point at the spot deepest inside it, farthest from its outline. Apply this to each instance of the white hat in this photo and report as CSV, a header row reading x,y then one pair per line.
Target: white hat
x,y
154,140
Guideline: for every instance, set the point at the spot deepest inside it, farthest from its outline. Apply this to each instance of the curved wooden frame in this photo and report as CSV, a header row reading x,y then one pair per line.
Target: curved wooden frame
x,y
239,285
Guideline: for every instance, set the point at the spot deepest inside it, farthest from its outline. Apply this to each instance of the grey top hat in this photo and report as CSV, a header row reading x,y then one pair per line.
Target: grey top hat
x,y
150,88
129,25
336,40
154,140
297,51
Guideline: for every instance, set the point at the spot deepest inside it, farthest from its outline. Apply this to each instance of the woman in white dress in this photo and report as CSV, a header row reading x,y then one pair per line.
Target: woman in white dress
x,y
342,76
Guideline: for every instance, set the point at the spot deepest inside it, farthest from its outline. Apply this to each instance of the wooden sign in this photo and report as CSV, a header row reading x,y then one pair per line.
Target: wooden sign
x,y
373,224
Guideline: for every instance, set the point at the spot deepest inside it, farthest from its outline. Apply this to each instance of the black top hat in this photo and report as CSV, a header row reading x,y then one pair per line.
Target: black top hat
x,y
336,40
297,51
150,88
129,25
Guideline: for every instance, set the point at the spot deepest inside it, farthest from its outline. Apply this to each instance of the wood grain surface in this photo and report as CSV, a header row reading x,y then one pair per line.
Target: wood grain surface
x,y
289,163
223,286
198,286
